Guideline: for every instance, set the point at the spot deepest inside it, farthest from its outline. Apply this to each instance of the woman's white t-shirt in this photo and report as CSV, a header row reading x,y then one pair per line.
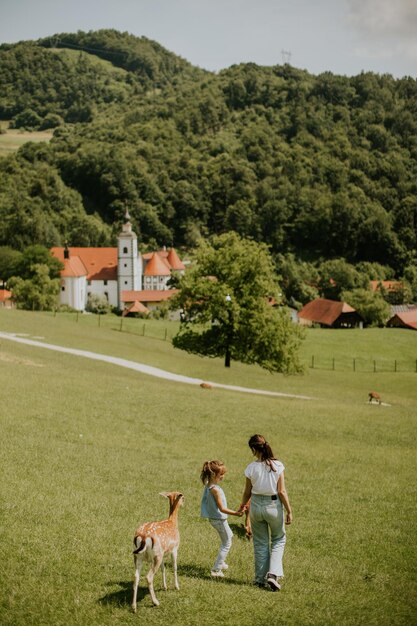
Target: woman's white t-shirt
x,y
263,478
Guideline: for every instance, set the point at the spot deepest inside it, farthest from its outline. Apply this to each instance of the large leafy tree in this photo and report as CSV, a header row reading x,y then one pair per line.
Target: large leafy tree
x,y
371,306
34,256
40,292
227,310
9,262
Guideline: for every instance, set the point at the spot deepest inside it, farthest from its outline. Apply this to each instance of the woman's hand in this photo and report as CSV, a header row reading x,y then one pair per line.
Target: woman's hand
x,y
288,518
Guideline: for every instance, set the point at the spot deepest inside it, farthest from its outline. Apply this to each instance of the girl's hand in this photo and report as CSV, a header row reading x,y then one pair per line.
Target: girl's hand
x,y
239,513
289,517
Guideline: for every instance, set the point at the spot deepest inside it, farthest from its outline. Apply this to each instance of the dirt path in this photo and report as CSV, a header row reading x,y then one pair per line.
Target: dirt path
x,y
144,369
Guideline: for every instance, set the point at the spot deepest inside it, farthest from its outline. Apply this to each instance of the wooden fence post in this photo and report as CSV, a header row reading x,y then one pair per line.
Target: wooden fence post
x,y
354,365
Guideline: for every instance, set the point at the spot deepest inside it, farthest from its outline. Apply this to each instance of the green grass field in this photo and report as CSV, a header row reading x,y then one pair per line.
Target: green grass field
x,y
13,138
87,446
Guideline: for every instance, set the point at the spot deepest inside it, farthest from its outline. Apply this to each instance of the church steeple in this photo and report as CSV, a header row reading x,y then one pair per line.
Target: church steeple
x,y
129,269
127,226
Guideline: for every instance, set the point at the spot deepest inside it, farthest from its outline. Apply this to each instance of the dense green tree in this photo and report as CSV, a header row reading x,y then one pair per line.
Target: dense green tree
x,y
27,119
337,276
9,262
226,310
375,271
372,307
298,280
35,256
410,283
37,293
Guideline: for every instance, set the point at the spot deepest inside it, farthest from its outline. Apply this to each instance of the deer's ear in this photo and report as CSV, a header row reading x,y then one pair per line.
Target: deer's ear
x,y
164,493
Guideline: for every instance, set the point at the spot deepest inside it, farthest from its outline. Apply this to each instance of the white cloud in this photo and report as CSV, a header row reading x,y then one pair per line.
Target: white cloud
x,y
384,17
384,28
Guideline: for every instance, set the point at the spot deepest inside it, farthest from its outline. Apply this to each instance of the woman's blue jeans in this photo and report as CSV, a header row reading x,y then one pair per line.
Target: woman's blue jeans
x,y
268,532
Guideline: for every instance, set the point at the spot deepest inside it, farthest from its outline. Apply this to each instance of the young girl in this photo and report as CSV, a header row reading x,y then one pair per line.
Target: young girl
x,y
214,508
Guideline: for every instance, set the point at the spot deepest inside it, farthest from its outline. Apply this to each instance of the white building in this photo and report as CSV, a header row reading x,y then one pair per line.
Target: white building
x,y
121,274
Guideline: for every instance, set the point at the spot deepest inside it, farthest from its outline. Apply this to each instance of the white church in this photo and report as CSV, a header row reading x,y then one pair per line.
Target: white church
x,y
130,281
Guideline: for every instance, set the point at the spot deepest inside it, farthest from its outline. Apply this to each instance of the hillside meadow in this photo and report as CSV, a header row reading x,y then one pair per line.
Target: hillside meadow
x,y
87,447
12,138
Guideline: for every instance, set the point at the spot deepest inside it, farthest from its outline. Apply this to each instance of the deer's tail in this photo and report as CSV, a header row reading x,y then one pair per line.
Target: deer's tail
x,y
145,542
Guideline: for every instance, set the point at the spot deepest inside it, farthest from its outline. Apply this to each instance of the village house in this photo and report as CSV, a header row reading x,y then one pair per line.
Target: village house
x,y
330,314
404,319
124,276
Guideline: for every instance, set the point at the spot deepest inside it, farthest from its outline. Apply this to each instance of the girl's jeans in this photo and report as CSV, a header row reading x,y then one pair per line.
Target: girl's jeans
x,y
268,531
225,535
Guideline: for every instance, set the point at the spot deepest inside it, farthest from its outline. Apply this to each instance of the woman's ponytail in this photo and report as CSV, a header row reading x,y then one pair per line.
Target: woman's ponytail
x,y
262,447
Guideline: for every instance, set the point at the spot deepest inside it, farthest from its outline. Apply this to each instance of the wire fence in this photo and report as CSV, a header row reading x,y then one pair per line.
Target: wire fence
x,y
154,329
361,364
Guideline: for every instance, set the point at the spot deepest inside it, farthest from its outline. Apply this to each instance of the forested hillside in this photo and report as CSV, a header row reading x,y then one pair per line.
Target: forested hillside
x,y
317,166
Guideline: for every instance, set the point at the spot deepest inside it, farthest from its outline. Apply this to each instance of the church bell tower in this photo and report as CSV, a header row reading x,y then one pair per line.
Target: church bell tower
x,y
129,263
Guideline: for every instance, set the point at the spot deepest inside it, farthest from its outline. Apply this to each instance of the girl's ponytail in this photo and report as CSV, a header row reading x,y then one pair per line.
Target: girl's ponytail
x,y
211,469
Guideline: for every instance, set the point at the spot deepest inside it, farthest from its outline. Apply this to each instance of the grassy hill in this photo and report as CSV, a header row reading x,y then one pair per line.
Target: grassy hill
x,y
87,447
317,166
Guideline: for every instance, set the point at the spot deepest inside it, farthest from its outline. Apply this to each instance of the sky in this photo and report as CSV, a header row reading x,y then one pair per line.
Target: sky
x,y
341,36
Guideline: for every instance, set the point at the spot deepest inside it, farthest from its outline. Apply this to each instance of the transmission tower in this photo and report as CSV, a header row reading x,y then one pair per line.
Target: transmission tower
x,y
286,57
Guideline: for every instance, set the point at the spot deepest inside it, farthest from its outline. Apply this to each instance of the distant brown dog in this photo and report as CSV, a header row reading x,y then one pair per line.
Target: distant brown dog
x,y
206,386
373,395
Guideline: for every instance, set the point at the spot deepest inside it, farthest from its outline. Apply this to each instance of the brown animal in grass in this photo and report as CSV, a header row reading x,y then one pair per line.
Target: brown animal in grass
x,y
153,541
373,395
206,386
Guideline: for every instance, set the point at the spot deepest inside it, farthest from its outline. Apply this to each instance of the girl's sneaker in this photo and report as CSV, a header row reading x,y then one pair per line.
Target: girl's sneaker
x,y
224,566
216,573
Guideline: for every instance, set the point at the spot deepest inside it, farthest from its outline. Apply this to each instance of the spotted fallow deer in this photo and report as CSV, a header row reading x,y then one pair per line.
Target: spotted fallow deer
x,y
153,541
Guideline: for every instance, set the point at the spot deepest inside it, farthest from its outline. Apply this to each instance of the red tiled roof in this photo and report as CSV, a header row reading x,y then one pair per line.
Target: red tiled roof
x,y
324,311
73,267
5,295
388,285
157,267
407,318
162,253
148,295
136,307
175,261
100,263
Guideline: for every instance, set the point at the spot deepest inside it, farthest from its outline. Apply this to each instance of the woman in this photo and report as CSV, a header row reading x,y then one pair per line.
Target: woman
x,y
265,488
